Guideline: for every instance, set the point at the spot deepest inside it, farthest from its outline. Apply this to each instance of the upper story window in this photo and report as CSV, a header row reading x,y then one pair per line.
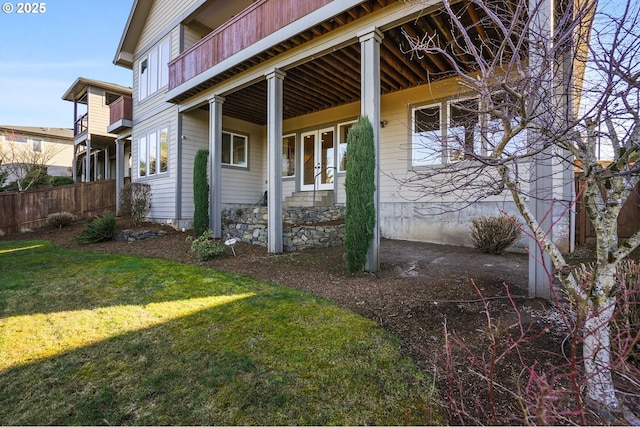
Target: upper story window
x,y
452,131
153,72
235,149
36,145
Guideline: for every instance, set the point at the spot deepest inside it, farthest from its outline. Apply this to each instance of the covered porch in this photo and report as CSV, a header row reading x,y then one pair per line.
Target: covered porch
x,y
311,75
305,84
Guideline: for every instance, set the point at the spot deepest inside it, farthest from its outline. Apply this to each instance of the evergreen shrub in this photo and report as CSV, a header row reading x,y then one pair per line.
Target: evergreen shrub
x,y
359,188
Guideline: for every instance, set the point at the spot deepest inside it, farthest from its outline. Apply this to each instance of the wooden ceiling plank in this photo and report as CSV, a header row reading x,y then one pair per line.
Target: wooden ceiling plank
x,y
433,58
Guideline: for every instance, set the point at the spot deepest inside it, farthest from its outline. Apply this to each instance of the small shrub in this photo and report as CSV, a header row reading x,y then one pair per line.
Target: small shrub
x,y
135,201
56,181
626,323
101,228
60,219
206,247
36,177
494,234
12,186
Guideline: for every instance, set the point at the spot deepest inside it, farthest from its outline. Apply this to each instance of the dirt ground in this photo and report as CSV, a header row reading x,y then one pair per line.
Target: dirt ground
x,y
419,289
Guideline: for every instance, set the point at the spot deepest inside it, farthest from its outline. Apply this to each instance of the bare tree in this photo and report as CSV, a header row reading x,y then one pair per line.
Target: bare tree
x,y
24,162
549,82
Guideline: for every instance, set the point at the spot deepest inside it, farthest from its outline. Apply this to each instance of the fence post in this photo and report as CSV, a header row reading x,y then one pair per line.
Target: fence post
x,y
18,212
82,199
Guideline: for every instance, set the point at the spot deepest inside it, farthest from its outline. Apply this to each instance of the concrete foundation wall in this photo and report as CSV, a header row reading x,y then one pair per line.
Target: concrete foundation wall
x,y
426,222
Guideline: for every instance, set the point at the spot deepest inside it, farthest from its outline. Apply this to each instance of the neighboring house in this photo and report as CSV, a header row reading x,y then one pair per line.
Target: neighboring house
x,y
271,88
56,144
94,149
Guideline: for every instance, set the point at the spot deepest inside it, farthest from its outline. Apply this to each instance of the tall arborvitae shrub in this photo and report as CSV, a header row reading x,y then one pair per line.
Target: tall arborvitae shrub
x,y
200,193
359,187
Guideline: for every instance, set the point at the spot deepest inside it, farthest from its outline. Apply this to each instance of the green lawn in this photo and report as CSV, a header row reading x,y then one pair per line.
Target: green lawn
x,y
90,339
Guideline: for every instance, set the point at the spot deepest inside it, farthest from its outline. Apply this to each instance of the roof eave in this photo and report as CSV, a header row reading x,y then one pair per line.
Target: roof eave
x,y
131,33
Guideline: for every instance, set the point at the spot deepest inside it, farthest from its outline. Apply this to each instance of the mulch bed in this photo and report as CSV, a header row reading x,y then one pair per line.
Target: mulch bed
x,y
419,289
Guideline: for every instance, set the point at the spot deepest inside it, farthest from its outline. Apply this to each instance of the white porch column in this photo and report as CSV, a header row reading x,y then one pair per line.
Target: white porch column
x,y
87,162
74,172
275,87
370,106
540,265
119,170
215,165
106,164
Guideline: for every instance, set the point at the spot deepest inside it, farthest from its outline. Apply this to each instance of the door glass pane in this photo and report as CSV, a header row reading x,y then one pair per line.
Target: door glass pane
x,y
343,132
326,154
308,159
289,155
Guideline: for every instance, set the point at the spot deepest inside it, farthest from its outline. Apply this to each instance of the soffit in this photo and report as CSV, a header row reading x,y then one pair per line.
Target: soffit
x,y
334,79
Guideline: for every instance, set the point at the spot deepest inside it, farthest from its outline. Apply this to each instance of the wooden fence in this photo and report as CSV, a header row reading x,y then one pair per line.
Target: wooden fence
x,y
628,219
29,210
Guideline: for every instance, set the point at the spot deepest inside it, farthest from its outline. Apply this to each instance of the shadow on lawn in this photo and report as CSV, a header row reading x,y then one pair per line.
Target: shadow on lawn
x,y
129,340
225,365
38,278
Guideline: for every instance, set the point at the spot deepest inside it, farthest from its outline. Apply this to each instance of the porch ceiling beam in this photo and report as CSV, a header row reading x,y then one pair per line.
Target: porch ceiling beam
x,y
307,85
433,58
295,92
388,84
418,68
335,72
479,28
408,70
349,59
390,16
450,40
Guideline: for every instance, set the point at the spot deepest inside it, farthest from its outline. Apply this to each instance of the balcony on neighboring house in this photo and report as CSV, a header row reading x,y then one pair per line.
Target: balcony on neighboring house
x,y
120,115
253,24
81,125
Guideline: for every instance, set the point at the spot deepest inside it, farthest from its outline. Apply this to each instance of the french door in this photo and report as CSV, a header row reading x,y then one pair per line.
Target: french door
x,y
318,157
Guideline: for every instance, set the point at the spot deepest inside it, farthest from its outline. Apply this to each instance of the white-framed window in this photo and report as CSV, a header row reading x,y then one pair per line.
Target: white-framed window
x,y
343,132
463,130
495,128
153,152
288,155
235,149
36,145
427,136
455,130
153,72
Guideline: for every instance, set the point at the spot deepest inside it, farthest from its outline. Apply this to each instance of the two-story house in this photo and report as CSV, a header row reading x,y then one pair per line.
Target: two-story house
x,y
54,146
94,154
271,88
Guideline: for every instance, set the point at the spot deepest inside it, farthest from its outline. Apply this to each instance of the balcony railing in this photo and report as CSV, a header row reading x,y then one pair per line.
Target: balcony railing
x,y
120,110
81,124
256,22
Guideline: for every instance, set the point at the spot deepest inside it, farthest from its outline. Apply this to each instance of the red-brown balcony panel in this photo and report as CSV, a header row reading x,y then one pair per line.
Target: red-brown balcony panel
x,y
257,21
120,114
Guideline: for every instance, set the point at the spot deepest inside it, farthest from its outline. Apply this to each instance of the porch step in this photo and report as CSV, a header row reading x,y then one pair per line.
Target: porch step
x,y
324,198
